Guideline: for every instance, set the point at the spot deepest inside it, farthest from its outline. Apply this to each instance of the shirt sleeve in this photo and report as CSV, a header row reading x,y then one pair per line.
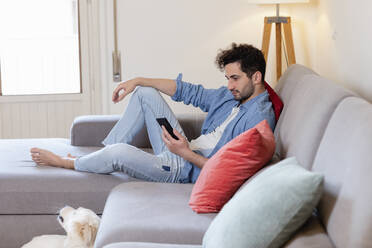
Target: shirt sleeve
x,y
193,94
264,111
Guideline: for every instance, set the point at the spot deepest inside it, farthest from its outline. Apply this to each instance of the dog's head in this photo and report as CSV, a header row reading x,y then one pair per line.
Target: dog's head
x,y
80,224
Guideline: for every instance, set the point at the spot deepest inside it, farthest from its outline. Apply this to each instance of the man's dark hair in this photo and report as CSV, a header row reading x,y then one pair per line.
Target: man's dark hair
x,y
250,58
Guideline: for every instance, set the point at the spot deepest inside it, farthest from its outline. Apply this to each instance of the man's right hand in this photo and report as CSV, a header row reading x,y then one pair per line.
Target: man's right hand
x,y
127,87
167,86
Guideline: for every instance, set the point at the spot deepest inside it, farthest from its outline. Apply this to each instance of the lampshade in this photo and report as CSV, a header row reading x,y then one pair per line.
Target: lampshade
x,y
277,1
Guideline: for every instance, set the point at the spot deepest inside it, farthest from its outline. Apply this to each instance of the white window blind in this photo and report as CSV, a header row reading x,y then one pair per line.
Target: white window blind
x,y
39,47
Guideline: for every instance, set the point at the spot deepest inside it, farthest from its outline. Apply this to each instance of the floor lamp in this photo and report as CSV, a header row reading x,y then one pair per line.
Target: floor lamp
x,y
282,25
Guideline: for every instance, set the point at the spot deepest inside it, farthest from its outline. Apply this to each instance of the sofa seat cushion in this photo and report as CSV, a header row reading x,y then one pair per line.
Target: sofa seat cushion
x,y
148,245
26,188
151,212
310,235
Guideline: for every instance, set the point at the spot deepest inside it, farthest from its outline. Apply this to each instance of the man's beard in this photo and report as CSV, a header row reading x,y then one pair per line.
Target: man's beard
x,y
238,97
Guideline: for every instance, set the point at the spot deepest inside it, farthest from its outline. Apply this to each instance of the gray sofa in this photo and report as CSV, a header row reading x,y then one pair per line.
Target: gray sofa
x,y
326,127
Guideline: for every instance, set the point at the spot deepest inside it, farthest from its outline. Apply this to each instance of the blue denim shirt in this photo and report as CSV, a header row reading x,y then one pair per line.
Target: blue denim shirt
x,y
219,103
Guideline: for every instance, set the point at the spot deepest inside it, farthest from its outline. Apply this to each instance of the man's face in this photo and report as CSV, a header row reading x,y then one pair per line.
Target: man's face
x,y
238,82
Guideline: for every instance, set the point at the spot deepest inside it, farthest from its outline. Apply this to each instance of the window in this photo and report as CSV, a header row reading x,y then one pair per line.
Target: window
x,y
39,47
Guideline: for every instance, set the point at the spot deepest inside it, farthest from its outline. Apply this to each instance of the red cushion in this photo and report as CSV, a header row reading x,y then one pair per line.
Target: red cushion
x,y
230,167
275,100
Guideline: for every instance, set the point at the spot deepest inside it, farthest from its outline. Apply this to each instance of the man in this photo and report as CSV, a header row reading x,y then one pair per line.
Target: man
x,y
231,111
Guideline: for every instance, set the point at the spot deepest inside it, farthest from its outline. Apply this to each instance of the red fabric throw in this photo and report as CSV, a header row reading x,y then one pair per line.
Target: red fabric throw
x,y
230,167
275,100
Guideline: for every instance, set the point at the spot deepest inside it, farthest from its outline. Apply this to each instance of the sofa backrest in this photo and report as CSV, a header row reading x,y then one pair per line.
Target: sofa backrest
x,y
289,80
192,123
309,101
345,159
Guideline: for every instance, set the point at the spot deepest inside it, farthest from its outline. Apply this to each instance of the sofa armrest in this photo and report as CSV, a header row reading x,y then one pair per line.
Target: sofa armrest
x,y
91,130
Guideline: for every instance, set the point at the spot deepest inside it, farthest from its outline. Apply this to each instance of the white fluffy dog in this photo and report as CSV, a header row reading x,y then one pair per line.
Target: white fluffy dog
x,y
80,225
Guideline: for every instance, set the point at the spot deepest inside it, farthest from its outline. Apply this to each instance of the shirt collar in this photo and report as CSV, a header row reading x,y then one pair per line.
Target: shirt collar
x,y
247,104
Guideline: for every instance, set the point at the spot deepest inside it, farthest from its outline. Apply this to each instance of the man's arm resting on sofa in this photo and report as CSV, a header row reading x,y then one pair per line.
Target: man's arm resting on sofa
x,y
167,86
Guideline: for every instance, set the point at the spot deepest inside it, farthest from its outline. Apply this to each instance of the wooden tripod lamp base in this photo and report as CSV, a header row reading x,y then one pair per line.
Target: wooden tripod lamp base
x,y
281,23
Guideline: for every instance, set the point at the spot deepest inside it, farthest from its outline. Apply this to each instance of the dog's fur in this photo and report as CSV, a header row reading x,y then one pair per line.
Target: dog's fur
x,y
81,227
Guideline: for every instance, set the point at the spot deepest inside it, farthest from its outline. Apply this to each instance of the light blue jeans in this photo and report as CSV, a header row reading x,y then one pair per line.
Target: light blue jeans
x,y
145,105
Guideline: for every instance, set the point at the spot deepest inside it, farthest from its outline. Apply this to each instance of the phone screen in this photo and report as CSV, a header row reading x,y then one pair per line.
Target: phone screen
x,y
164,122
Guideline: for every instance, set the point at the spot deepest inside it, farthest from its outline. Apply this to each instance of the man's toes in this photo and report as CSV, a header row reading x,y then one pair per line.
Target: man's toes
x,y
35,158
70,156
35,150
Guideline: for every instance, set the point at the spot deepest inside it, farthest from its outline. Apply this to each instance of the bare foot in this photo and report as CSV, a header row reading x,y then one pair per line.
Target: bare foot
x,y
70,156
45,157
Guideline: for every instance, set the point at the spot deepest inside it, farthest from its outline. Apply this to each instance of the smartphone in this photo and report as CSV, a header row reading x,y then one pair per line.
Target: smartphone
x,y
164,122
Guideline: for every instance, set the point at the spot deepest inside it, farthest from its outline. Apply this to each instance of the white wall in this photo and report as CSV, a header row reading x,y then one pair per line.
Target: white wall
x,y
343,44
164,37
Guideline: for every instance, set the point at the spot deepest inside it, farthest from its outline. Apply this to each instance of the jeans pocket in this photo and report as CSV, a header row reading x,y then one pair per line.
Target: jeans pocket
x,y
166,168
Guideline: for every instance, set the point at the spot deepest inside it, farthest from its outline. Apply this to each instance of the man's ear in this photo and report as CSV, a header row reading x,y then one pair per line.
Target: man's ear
x,y
257,78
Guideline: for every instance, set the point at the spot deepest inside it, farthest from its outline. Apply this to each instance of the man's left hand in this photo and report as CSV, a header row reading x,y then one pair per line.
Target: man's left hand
x,y
179,147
